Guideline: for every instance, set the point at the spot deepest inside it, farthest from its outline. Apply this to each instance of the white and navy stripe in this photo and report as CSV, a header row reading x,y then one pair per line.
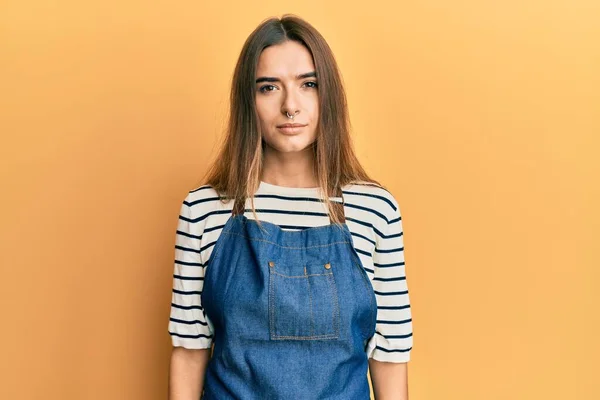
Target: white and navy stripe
x,y
373,218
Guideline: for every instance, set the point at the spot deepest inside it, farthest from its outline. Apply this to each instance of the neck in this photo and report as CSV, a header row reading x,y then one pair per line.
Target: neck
x,y
293,169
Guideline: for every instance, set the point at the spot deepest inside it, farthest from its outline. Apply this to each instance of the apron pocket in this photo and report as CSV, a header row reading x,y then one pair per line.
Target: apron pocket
x,y
303,302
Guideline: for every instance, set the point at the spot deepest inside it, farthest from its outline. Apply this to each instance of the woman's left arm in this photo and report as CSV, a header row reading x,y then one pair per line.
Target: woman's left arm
x,y
390,348
389,380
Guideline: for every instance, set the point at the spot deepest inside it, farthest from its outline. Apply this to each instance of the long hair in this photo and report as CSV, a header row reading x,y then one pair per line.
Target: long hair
x,y
237,169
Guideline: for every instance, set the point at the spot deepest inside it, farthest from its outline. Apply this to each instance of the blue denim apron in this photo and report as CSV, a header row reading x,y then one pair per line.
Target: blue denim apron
x,y
292,312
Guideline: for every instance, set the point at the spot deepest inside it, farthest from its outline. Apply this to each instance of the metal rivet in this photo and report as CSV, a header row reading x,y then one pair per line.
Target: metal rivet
x,y
271,264
327,266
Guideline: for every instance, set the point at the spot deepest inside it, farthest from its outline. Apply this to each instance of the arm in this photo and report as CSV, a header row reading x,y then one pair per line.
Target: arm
x,y
389,380
186,375
391,345
191,333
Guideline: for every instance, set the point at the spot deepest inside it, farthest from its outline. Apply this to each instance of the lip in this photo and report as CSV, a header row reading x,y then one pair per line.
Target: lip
x,y
290,129
291,125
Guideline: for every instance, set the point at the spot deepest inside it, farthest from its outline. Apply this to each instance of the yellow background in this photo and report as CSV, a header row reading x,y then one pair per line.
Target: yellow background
x,y
482,117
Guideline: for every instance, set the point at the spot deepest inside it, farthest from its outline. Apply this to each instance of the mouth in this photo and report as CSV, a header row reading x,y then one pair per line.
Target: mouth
x,y
291,129
291,125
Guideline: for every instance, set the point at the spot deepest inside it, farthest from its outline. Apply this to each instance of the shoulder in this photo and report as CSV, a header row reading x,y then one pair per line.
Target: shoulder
x,y
202,199
372,207
202,192
376,197
199,204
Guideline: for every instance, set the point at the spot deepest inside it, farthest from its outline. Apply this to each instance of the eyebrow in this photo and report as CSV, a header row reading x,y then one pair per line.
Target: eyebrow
x,y
298,77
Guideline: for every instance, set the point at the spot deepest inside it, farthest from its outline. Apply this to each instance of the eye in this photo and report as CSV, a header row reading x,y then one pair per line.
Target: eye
x,y
262,89
313,83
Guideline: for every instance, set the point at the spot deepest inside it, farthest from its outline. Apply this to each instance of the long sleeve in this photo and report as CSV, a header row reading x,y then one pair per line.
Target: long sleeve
x,y
393,338
188,325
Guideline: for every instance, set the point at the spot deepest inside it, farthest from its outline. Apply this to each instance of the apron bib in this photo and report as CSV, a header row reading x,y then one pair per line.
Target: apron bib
x,y
292,312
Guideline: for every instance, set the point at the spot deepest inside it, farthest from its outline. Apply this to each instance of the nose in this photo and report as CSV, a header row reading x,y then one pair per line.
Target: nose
x,y
290,103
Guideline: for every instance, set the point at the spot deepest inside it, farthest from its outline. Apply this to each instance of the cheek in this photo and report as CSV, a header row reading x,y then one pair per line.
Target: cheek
x,y
315,107
260,108
266,112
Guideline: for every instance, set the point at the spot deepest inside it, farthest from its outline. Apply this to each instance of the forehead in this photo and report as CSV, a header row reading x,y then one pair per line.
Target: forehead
x,y
286,59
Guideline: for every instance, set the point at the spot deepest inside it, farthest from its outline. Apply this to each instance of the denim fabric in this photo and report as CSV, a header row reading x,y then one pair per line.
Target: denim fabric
x,y
292,312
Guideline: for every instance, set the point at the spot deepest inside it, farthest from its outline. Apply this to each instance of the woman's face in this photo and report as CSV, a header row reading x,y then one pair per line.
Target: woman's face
x,y
285,81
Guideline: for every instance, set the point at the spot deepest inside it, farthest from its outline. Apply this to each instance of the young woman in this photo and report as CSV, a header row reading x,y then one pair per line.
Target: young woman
x,y
289,260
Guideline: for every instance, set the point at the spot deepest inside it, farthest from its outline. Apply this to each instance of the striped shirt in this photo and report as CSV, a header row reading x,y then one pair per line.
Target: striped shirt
x,y
373,218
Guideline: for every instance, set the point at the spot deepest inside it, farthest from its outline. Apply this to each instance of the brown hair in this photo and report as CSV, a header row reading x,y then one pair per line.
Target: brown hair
x,y
236,171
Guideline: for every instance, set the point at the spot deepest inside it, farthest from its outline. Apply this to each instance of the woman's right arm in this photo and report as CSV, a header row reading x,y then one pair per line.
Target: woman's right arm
x,y
191,333
186,375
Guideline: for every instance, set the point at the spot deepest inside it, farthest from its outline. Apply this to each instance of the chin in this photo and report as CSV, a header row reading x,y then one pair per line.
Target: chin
x,y
290,149
289,144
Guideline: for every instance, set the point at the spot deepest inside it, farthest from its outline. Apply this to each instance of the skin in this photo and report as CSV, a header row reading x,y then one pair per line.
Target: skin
x,y
389,380
288,161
